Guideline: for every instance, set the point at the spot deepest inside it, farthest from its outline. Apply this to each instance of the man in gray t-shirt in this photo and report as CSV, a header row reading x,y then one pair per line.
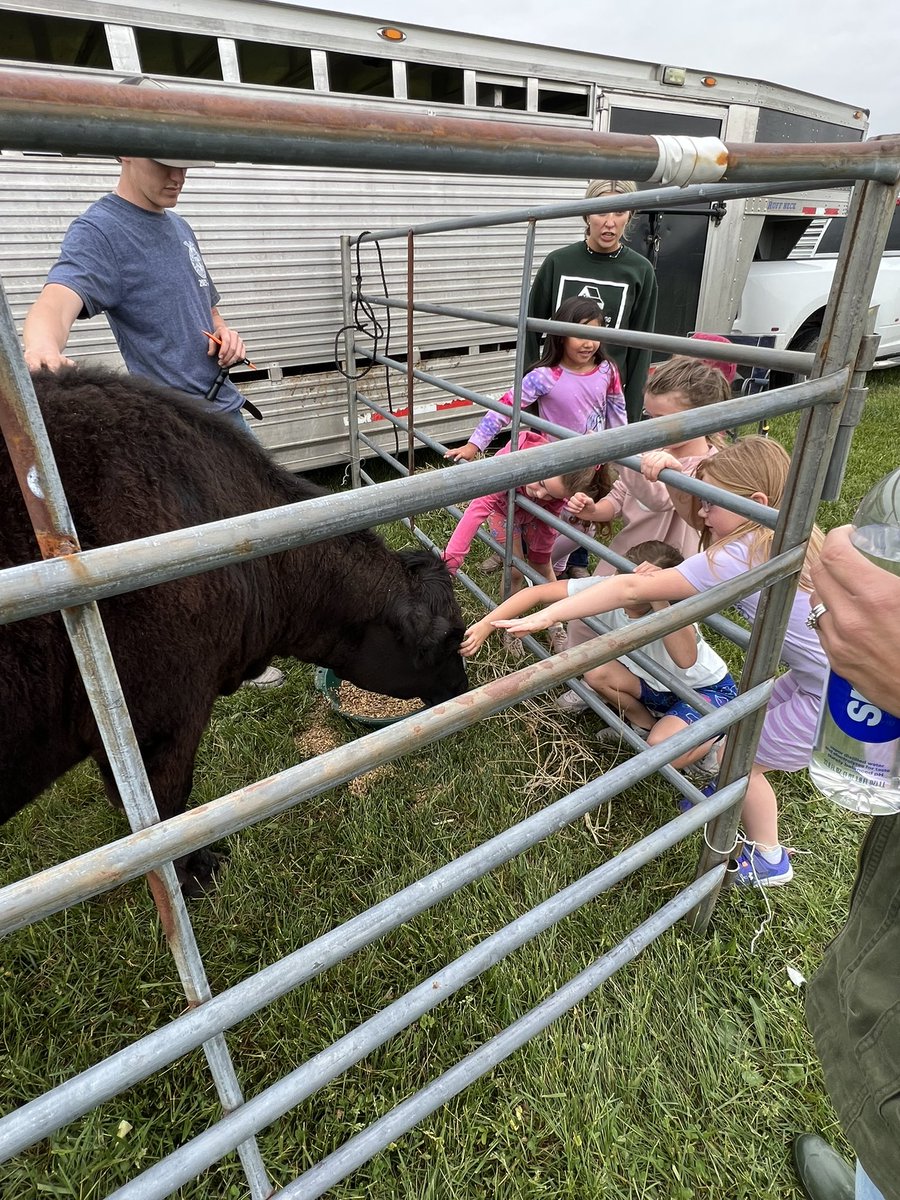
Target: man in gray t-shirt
x,y
131,258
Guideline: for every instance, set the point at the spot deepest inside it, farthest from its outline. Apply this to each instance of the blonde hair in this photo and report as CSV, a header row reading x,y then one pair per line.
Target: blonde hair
x,y
609,187
757,464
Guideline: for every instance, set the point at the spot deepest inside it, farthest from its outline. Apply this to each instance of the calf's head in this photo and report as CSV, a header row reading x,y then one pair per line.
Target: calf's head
x,y
413,651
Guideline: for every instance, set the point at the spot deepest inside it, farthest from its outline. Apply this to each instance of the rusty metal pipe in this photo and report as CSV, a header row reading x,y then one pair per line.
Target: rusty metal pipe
x,y
40,112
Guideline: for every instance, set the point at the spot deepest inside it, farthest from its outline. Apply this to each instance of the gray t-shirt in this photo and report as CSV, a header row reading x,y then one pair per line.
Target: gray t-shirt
x,y
145,271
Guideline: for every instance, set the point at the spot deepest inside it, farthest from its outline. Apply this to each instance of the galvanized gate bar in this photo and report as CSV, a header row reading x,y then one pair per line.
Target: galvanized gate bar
x,y
36,588
105,867
790,361
348,333
645,199
408,1114
515,413
202,1151
55,1108
41,113
842,330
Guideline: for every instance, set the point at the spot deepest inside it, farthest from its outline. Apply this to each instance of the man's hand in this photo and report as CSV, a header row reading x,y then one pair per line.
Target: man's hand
x,y
231,348
37,357
47,327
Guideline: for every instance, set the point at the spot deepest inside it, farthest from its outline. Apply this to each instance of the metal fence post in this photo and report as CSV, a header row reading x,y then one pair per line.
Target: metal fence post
x,y
350,362
527,260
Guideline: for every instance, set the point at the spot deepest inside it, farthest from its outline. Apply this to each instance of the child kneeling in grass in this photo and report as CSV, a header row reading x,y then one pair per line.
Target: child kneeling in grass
x,y
653,711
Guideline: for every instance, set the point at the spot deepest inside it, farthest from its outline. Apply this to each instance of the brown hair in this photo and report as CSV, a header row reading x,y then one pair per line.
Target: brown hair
x,y
699,383
577,481
660,554
757,464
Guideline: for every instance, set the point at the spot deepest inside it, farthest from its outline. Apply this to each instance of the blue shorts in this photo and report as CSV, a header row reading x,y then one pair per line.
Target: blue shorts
x,y
667,704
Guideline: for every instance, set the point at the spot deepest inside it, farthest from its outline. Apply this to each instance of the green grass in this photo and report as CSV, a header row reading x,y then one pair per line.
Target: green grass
x,y
686,1076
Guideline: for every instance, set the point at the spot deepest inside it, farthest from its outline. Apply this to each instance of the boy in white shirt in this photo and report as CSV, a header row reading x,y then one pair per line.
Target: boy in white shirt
x,y
643,700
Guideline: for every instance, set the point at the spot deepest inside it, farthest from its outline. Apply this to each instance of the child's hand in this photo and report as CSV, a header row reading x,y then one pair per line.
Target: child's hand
x,y
519,626
646,568
655,461
575,505
465,453
475,637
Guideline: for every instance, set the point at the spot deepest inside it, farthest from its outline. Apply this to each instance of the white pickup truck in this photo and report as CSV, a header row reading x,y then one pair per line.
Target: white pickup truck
x,y
783,303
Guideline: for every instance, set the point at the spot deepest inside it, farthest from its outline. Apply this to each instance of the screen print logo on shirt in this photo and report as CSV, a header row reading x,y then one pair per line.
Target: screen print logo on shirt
x,y
196,262
610,295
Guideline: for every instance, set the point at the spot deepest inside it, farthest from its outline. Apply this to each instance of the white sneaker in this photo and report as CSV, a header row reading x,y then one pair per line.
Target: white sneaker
x,y
706,768
270,678
569,702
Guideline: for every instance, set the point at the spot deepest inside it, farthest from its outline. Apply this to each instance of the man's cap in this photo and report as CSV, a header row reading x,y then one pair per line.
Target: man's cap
x,y
145,81
184,162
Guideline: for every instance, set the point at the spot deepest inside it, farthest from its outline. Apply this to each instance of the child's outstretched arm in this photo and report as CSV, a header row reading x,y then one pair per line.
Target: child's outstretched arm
x,y
619,591
534,385
520,602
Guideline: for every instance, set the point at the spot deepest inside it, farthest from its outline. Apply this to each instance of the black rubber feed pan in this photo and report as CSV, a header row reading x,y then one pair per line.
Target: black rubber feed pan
x,y
328,683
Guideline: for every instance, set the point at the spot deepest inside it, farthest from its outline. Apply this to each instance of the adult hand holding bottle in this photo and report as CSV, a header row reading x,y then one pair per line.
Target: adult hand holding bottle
x,y
856,756
860,628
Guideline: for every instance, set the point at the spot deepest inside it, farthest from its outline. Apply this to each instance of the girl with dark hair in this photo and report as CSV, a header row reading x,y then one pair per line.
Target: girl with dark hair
x,y
574,385
601,266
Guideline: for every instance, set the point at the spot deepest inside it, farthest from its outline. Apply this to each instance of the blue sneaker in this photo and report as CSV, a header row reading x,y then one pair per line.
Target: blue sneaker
x,y
755,871
685,805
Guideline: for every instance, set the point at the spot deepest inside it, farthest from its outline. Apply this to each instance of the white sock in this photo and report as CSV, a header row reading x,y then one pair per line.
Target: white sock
x,y
770,854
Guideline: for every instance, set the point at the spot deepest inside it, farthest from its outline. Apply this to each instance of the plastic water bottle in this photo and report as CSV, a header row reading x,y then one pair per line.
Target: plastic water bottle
x,y
856,759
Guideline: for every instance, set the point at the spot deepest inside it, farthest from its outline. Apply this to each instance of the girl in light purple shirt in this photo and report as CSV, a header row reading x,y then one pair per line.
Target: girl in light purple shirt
x,y
755,467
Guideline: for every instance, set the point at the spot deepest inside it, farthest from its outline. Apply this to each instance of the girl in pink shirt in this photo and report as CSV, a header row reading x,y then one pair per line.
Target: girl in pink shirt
x,y
552,494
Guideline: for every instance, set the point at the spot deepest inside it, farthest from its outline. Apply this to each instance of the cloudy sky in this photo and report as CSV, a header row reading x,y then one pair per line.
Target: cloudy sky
x,y
833,48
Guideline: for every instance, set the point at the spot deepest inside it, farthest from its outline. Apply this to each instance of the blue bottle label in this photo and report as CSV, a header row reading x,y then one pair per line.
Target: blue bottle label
x,y
858,717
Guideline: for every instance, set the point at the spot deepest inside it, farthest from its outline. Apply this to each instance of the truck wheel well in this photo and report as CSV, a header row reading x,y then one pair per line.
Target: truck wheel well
x,y
804,339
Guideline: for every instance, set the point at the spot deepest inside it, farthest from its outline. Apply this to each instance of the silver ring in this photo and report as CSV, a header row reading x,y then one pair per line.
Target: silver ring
x,y
815,613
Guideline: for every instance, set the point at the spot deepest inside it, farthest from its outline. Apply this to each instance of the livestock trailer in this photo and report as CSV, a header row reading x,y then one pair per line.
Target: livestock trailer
x,y
270,234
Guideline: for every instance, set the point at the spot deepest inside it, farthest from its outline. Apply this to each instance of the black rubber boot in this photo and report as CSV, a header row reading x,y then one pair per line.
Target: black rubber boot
x,y
823,1174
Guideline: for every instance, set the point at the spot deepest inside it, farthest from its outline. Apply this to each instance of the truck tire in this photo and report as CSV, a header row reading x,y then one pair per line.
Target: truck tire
x,y
805,341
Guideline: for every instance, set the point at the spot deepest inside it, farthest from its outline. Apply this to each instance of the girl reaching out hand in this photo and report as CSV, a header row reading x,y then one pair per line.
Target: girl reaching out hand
x,y
573,385
755,467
